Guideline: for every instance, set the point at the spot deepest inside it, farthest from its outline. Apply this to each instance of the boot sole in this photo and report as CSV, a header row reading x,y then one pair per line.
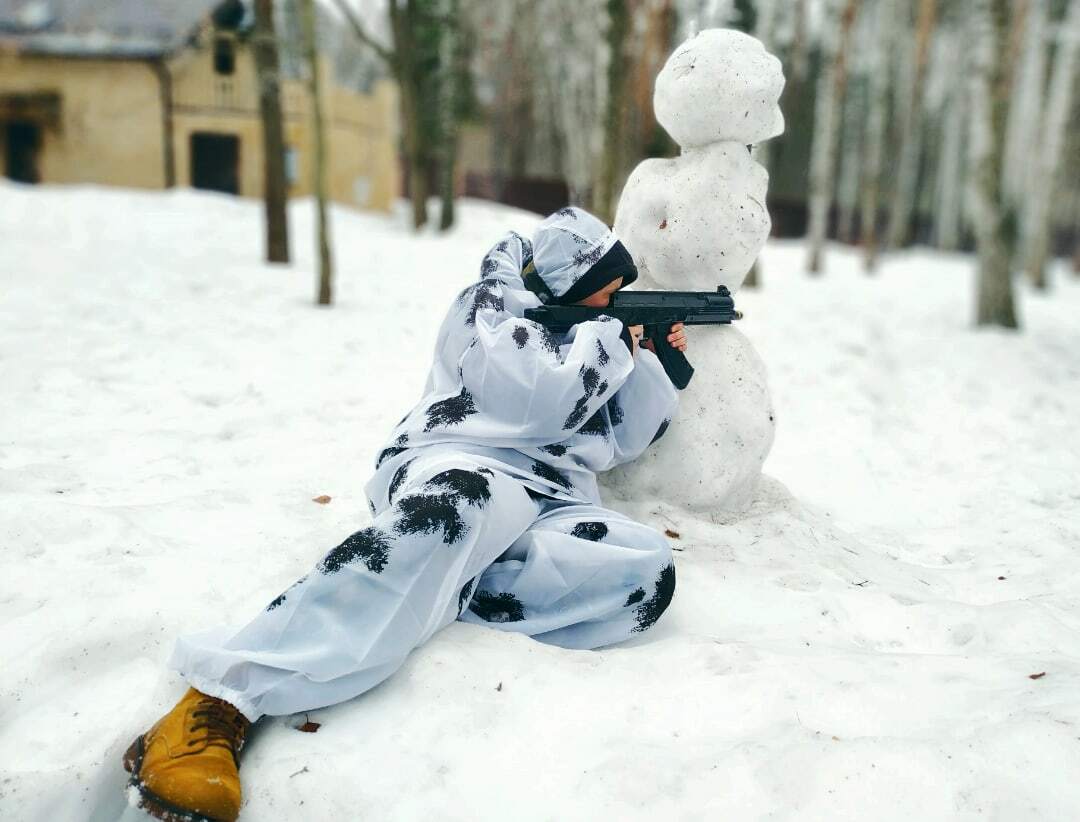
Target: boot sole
x,y
150,802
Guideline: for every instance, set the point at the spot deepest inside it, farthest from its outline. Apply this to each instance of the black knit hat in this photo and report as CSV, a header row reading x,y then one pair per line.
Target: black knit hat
x,y
616,263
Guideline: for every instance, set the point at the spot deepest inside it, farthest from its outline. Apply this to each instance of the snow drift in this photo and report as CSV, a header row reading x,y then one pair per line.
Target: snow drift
x,y
174,406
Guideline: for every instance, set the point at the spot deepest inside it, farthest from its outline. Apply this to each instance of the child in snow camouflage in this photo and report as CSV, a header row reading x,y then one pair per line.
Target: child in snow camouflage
x,y
485,509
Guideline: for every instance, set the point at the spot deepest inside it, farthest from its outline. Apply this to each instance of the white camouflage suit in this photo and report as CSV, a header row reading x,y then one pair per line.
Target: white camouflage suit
x,y
485,505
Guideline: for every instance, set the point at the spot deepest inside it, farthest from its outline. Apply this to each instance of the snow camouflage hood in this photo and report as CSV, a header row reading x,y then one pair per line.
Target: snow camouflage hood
x,y
575,255
549,409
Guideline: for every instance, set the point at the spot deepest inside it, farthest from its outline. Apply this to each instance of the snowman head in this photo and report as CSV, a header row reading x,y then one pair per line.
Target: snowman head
x,y
720,86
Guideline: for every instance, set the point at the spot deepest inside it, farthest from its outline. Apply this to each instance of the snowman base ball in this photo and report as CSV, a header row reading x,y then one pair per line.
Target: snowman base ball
x,y
709,459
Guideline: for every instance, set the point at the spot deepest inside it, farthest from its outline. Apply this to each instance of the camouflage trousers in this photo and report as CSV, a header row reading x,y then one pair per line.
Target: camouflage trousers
x,y
458,541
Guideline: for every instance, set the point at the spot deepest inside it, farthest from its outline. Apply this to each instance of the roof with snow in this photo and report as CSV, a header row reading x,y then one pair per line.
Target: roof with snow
x,y
108,28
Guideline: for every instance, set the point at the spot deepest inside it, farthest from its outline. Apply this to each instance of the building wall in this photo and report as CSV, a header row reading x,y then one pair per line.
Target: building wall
x,y
363,146
361,129
110,128
112,123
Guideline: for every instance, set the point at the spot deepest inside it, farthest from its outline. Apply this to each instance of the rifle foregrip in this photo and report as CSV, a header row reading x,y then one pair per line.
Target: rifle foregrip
x,y
676,366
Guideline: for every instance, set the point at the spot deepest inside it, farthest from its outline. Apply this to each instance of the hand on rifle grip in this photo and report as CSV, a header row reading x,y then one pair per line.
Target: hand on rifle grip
x,y
675,364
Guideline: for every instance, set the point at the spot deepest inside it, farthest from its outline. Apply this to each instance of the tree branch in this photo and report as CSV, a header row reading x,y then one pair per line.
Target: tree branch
x,y
358,28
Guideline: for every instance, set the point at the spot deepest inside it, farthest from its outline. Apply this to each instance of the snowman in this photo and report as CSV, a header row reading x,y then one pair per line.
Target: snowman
x,y
692,223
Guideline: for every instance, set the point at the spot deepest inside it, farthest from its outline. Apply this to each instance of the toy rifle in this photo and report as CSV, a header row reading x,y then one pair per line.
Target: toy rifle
x,y
657,311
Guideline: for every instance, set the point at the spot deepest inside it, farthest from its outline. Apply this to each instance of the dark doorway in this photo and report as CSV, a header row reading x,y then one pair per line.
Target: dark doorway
x,y
23,142
215,162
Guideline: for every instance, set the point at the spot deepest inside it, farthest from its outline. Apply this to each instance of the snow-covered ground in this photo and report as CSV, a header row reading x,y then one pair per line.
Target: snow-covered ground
x,y
860,647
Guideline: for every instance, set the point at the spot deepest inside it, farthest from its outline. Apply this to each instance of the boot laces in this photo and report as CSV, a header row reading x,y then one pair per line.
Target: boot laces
x,y
224,724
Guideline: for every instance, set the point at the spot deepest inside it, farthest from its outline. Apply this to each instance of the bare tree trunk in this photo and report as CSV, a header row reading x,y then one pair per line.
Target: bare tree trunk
x,y
1025,109
450,57
274,184
847,189
947,216
903,201
403,22
1076,234
447,179
764,26
800,52
322,240
573,91
878,99
404,63
619,13
989,97
796,64
1058,104
830,95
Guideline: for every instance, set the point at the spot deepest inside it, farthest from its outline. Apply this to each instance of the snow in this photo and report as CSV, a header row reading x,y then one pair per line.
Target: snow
x,y
841,650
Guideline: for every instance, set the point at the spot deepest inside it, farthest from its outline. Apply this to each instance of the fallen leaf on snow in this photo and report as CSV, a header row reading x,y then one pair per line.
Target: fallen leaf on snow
x,y
672,534
1037,676
309,727
322,500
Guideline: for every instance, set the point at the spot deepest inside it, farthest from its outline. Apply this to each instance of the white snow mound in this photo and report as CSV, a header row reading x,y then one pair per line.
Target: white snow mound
x,y
174,405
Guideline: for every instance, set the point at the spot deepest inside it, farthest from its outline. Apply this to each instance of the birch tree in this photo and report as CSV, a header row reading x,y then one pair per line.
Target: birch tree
x,y
571,56
800,47
1054,124
949,210
989,97
847,187
268,72
796,64
322,225
830,95
413,61
911,130
874,141
453,102
765,26
619,22
1025,109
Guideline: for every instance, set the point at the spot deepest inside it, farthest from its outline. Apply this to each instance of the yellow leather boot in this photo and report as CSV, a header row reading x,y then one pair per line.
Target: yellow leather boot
x,y
186,767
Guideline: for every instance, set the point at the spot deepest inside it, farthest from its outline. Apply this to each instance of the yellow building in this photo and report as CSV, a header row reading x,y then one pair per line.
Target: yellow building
x,y
156,93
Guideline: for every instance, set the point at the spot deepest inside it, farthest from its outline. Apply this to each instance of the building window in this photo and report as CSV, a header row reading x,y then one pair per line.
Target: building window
x,y
224,55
